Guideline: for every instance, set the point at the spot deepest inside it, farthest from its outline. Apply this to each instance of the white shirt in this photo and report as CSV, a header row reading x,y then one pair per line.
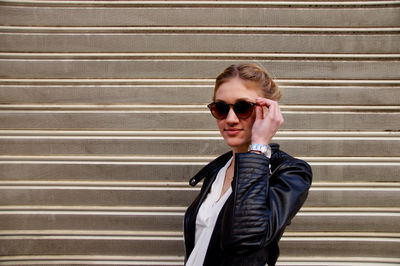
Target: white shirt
x,y
207,217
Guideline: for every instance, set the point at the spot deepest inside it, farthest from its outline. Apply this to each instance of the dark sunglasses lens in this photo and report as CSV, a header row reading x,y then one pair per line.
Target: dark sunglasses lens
x,y
219,110
243,109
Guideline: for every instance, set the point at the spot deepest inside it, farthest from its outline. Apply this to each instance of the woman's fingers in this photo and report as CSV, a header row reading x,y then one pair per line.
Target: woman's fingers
x,y
259,112
274,111
263,102
267,121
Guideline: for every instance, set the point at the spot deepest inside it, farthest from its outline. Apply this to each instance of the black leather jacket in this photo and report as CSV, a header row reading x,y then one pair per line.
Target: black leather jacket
x,y
255,215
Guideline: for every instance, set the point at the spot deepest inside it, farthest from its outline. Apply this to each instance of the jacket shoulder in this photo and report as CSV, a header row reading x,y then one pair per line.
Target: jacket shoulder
x,y
281,160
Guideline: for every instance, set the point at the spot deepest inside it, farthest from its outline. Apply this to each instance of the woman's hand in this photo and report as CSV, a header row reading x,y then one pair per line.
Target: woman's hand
x,y
267,122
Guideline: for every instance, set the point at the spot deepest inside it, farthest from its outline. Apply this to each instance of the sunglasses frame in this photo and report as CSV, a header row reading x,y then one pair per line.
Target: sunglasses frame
x,y
210,106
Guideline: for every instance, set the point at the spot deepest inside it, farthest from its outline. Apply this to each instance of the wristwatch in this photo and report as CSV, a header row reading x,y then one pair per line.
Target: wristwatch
x,y
264,149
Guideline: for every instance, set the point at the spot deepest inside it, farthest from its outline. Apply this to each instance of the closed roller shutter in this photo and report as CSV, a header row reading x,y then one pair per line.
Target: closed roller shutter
x,y
103,120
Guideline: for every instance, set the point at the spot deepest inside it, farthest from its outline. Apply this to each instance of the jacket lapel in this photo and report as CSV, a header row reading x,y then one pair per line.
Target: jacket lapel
x,y
208,173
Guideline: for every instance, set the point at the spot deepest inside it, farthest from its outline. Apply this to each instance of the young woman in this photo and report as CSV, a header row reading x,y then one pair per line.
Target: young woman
x,y
251,193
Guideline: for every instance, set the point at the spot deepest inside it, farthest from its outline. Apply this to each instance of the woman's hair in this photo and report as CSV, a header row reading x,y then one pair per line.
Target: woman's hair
x,y
250,72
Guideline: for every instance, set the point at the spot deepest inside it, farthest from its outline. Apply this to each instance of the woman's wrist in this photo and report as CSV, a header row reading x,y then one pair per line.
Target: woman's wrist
x,y
259,141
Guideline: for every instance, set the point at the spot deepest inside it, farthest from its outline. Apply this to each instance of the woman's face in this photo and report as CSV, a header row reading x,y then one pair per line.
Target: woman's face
x,y
236,131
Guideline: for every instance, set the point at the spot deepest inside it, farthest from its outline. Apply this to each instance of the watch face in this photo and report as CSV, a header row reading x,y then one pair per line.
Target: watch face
x,y
265,149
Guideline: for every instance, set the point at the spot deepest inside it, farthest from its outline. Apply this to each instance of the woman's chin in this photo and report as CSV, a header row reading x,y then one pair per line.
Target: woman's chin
x,y
238,145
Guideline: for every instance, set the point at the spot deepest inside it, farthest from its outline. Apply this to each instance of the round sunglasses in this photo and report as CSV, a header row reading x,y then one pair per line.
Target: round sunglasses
x,y
242,109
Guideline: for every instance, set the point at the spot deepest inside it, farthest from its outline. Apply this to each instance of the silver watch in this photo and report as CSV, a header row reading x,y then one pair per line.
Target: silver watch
x,y
264,149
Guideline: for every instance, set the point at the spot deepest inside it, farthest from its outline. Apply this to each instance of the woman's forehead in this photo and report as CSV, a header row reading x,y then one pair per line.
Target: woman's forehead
x,y
238,89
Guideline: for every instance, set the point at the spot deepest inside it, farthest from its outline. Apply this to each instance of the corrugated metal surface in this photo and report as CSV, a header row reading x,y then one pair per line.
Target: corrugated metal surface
x,y
103,121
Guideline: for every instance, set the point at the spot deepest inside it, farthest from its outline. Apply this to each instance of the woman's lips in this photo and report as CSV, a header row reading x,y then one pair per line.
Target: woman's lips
x,y
233,131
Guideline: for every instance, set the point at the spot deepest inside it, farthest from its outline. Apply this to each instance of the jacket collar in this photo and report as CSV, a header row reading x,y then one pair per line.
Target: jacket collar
x,y
210,168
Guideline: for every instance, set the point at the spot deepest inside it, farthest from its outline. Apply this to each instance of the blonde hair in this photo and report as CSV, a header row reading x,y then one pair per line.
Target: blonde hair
x,y
250,72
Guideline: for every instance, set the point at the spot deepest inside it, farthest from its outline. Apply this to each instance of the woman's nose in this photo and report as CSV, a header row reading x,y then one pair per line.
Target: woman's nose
x,y
232,117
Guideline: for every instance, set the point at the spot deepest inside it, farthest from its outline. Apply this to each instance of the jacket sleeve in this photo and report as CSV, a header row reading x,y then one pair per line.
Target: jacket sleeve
x,y
262,204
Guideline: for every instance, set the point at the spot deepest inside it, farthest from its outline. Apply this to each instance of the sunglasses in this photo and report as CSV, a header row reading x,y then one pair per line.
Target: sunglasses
x,y
242,109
